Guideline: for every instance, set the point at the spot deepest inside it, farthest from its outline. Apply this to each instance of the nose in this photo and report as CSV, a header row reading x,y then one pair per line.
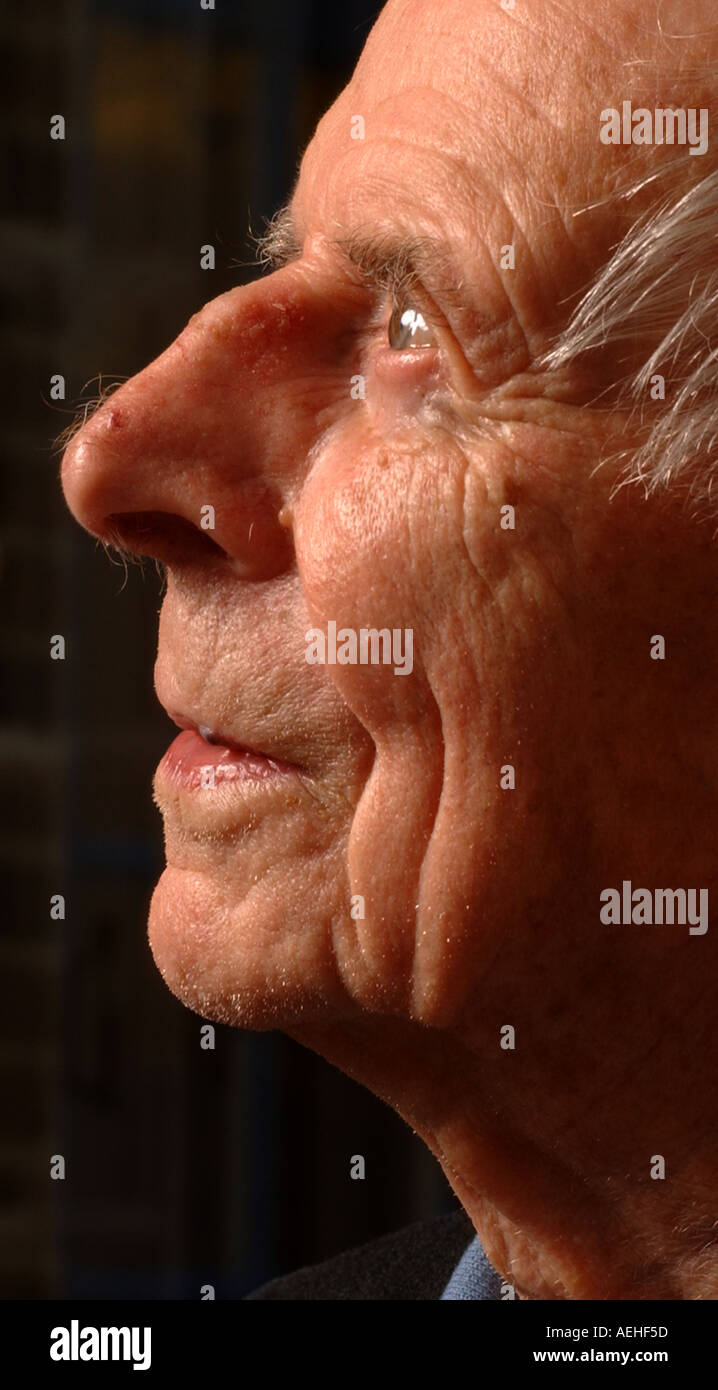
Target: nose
x,y
197,457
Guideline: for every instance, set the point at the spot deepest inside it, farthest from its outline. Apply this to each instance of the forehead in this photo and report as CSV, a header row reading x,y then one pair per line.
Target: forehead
x,y
480,127
471,121
477,81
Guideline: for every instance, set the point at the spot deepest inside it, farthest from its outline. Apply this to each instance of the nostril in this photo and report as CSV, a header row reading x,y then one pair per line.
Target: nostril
x,y
164,535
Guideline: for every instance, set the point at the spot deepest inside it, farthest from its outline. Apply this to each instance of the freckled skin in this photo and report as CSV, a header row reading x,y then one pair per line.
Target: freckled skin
x,y
531,648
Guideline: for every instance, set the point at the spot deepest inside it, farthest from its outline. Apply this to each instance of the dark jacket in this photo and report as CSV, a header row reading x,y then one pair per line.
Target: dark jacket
x,y
415,1262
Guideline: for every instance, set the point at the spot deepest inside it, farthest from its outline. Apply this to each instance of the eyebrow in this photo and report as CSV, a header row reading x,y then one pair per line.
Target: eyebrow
x,y
386,258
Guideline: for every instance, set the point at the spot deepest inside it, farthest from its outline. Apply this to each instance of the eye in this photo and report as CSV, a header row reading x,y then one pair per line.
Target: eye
x,y
408,329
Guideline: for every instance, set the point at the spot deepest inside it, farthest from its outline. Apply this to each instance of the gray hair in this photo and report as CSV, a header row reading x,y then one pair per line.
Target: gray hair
x,y
660,281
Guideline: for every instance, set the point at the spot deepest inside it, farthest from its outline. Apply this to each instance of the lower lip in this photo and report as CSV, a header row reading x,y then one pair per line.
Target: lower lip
x,y
193,763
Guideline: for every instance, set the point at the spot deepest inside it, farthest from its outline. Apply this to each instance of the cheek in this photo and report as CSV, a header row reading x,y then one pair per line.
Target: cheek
x,y
375,531
406,534
380,545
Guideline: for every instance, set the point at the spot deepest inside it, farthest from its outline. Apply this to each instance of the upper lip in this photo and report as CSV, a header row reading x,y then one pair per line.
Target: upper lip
x,y
219,736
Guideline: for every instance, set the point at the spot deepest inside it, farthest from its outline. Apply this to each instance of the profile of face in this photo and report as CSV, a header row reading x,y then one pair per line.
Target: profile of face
x,y
391,864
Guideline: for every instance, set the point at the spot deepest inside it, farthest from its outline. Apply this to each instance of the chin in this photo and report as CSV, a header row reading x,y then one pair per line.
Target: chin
x,y
244,964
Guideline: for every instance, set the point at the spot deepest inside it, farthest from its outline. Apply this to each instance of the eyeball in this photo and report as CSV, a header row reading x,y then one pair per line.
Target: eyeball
x,y
408,329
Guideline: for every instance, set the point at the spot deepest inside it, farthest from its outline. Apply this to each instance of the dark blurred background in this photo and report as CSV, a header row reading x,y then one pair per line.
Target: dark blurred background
x,y
184,1167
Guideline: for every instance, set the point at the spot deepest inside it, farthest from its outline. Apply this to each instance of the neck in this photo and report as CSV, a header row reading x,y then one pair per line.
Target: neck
x,y
560,1178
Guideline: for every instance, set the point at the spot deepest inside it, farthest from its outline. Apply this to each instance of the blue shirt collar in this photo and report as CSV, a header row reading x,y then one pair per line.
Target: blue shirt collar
x,y
473,1277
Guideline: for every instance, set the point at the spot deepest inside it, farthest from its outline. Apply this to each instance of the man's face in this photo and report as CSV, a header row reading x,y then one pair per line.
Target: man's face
x,y
447,487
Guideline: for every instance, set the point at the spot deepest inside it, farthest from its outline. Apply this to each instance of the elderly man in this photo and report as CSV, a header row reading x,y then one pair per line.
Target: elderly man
x,y
470,415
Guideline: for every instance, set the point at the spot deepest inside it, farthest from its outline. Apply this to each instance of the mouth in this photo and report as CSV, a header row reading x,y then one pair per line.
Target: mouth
x,y
202,757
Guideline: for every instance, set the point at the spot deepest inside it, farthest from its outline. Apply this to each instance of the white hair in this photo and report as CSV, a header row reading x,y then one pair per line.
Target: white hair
x,y
660,282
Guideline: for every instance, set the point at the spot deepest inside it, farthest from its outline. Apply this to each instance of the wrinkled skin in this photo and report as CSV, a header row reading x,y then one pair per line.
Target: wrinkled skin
x,y
531,647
